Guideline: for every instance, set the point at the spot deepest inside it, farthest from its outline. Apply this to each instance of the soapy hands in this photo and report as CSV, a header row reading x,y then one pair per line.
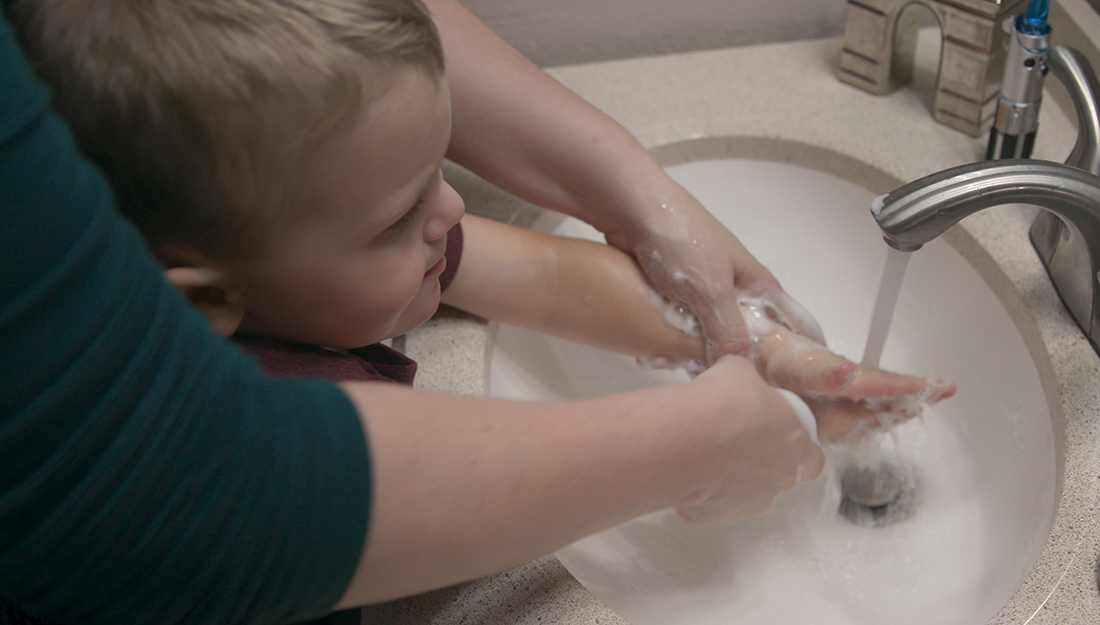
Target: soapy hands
x,y
689,256
848,401
692,258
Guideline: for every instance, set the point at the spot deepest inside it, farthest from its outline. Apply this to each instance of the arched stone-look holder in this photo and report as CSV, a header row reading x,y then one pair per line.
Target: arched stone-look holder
x,y
880,39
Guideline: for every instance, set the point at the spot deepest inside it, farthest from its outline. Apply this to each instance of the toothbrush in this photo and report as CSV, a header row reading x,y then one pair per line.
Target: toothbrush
x,y
1017,118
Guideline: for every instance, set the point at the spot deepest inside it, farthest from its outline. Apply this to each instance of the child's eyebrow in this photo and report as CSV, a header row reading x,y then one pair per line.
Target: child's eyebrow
x,y
423,190
420,193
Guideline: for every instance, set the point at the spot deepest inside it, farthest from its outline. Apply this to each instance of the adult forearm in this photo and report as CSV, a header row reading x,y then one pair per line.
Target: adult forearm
x,y
522,130
464,487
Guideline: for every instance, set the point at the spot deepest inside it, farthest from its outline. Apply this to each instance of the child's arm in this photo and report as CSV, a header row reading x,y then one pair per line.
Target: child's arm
x,y
572,288
595,294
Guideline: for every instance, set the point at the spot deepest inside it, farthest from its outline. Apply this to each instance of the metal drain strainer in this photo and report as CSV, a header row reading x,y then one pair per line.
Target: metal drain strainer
x,y
874,496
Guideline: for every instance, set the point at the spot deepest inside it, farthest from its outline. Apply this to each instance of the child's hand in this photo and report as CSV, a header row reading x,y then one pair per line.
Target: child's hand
x,y
848,400
885,402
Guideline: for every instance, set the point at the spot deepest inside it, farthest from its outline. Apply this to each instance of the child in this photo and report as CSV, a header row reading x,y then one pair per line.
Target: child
x,y
284,165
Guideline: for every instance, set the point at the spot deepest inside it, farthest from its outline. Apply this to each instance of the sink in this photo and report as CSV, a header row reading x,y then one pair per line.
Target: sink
x,y
986,459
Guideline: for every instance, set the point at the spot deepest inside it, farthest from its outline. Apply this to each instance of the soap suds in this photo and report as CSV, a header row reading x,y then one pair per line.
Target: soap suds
x,y
694,366
679,317
676,315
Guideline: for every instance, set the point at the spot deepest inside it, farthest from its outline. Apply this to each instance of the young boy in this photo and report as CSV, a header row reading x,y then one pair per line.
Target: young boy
x,y
283,162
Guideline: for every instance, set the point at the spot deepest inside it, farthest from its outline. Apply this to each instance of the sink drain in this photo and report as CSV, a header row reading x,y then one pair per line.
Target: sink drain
x,y
879,495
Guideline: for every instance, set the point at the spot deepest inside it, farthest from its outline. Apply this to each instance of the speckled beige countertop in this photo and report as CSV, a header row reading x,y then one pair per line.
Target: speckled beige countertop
x,y
783,102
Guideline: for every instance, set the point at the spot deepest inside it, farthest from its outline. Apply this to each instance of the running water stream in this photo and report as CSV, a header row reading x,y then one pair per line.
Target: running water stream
x,y
883,314
876,457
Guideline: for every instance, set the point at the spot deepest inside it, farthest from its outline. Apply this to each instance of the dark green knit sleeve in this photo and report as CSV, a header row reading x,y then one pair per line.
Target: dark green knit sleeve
x,y
149,472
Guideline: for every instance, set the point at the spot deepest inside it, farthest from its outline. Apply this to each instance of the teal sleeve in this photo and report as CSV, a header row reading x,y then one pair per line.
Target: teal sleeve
x,y
149,472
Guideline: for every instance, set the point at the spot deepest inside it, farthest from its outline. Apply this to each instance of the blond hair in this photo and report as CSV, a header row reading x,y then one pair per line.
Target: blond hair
x,y
199,111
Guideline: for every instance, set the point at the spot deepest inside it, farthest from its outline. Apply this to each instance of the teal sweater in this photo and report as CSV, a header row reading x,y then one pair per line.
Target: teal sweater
x,y
149,472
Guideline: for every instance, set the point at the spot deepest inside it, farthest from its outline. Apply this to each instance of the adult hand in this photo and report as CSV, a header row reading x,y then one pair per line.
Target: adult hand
x,y
692,258
765,449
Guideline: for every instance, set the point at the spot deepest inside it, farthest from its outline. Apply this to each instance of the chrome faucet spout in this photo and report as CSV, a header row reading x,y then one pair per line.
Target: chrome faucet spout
x,y
1066,235
920,211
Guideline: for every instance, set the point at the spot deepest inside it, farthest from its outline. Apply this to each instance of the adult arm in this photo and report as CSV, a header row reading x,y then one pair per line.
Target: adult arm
x,y
520,129
149,473
466,486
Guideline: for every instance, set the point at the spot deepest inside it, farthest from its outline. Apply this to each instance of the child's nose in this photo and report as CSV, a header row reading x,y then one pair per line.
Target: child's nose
x,y
448,212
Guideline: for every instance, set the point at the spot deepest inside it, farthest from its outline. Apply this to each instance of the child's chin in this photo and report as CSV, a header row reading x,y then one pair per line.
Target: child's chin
x,y
429,313
411,323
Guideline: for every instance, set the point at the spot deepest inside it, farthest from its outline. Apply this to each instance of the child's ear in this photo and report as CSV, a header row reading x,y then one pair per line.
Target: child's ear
x,y
207,289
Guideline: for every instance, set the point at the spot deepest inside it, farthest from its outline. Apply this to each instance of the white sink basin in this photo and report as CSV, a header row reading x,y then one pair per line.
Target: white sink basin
x,y
986,457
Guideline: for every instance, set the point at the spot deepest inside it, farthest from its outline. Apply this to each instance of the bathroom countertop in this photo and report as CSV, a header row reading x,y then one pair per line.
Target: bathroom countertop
x,y
783,102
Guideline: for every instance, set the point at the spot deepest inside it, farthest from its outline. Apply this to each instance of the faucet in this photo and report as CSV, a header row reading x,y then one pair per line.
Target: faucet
x,y
1066,236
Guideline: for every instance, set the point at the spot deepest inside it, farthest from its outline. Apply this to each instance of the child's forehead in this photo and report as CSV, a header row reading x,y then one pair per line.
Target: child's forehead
x,y
410,109
403,109
386,157
397,87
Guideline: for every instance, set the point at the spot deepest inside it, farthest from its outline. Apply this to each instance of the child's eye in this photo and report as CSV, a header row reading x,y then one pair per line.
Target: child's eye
x,y
408,217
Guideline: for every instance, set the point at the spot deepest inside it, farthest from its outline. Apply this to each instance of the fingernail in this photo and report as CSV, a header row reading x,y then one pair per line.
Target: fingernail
x,y
842,376
937,389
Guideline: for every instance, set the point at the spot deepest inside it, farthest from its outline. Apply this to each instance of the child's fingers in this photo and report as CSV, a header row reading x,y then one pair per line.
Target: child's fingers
x,y
853,399
797,364
879,384
841,420
793,362
848,419
813,373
